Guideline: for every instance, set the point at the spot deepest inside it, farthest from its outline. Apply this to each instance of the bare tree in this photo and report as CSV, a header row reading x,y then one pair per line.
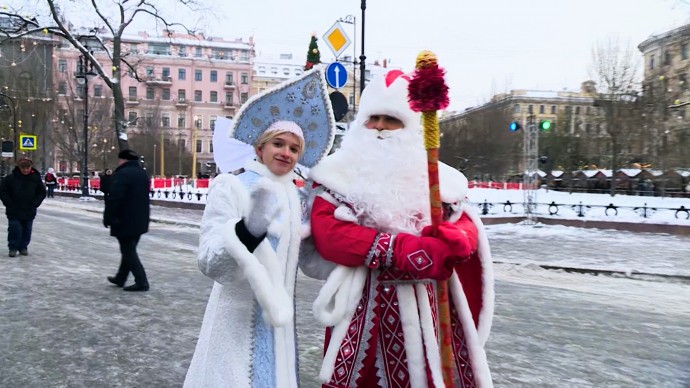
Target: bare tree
x,y
481,145
614,67
114,18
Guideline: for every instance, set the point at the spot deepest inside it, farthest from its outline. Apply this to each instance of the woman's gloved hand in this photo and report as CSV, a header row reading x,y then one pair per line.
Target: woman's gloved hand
x,y
263,208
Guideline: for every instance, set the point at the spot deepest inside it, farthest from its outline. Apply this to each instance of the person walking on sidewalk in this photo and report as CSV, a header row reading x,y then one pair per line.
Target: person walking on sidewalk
x,y
127,211
22,192
51,182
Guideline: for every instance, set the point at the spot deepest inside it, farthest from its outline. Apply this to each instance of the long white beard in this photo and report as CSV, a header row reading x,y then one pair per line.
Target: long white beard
x,y
390,191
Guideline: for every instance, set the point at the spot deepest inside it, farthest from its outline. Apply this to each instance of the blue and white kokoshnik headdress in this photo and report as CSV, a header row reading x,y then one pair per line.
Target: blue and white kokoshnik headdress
x,y
303,100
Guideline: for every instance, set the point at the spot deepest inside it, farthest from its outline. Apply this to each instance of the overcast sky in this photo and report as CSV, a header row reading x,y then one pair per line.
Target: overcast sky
x,y
487,47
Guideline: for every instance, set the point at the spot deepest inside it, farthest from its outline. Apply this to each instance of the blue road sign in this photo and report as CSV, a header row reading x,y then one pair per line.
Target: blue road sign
x,y
336,75
27,142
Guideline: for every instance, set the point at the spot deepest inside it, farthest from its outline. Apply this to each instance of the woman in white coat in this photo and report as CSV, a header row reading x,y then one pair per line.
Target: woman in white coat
x,y
249,244
250,237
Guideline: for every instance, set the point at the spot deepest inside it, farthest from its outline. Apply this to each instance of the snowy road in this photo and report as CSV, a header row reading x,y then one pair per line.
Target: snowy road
x,y
63,325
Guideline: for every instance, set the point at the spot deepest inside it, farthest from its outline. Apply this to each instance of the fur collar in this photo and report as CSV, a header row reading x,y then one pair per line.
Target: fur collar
x,y
261,169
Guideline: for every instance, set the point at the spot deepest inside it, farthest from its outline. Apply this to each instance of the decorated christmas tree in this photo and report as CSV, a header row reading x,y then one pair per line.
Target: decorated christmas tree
x,y
313,55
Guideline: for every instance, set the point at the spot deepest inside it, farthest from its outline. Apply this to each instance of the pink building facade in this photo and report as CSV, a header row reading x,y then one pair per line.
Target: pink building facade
x,y
185,83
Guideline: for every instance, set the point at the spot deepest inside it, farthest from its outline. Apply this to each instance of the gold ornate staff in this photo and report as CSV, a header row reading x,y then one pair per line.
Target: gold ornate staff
x,y
428,93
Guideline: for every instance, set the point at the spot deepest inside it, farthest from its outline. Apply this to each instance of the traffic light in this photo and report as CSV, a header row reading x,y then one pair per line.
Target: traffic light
x,y
514,126
545,126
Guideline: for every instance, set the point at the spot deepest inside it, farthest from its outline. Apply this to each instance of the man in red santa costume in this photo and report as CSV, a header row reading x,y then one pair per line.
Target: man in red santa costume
x,y
369,221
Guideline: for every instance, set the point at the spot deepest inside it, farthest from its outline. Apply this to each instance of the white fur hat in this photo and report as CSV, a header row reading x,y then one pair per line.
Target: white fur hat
x,y
387,95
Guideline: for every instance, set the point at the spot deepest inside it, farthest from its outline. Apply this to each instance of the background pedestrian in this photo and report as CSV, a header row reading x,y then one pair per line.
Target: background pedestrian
x,y
127,211
22,192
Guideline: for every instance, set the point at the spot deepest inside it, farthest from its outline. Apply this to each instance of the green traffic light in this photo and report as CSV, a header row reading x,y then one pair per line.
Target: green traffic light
x,y
545,125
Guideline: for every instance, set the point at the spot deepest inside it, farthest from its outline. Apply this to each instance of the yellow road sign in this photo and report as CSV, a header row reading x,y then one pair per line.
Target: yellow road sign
x,y
336,39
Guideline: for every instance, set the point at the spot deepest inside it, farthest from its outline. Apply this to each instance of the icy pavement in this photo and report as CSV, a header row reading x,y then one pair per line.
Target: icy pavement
x,y
63,325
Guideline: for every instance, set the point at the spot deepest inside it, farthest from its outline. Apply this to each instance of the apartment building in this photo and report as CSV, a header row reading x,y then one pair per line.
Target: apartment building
x,y
665,84
176,87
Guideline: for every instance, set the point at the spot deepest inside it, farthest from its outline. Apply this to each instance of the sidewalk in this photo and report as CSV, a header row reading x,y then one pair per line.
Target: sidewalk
x,y
159,214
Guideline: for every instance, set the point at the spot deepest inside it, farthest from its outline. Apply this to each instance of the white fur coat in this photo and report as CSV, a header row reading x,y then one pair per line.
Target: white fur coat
x,y
224,352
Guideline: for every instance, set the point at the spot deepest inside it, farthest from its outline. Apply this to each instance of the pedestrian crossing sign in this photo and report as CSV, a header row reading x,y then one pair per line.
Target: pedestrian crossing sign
x,y
27,142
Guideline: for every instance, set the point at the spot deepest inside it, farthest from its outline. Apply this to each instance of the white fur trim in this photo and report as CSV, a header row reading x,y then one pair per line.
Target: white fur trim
x,y
335,306
272,297
414,348
429,334
475,347
487,314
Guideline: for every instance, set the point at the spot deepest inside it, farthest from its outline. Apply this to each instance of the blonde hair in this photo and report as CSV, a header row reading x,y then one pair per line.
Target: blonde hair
x,y
270,135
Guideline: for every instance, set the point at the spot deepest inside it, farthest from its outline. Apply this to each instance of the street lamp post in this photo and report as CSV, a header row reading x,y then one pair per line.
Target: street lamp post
x,y
84,72
12,107
350,19
154,160
362,58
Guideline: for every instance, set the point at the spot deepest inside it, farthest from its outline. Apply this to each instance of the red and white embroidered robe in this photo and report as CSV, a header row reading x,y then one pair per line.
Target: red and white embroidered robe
x,y
383,322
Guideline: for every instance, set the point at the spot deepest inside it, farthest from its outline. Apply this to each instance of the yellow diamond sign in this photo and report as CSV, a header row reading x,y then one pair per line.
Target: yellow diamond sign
x,y
336,39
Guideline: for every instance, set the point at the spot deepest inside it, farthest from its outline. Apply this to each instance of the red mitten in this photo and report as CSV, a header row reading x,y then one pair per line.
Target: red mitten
x,y
422,257
461,242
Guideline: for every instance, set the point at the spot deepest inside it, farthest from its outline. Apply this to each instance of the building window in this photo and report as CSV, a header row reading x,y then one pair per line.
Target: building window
x,y
62,87
150,95
181,74
159,48
149,119
228,98
149,71
214,96
62,65
181,95
541,109
244,97
210,146
132,92
181,122
212,122
651,62
97,90
198,123
80,91
197,95
183,51
667,57
577,110
229,78
262,69
529,108
286,71
516,109
198,146
165,94
684,51
553,109
274,70
134,48
166,73
165,120
197,52
132,118
244,78
214,76
197,75
588,110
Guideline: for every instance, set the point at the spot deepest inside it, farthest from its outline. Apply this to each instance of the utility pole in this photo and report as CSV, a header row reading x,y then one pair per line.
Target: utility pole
x,y
531,175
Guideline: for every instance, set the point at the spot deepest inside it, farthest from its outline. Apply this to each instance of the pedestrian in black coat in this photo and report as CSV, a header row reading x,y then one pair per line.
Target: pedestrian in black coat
x,y
22,192
127,215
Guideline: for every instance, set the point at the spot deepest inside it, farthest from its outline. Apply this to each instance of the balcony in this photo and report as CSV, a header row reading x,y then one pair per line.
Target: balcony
x,y
229,106
229,85
165,80
181,102
132,100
